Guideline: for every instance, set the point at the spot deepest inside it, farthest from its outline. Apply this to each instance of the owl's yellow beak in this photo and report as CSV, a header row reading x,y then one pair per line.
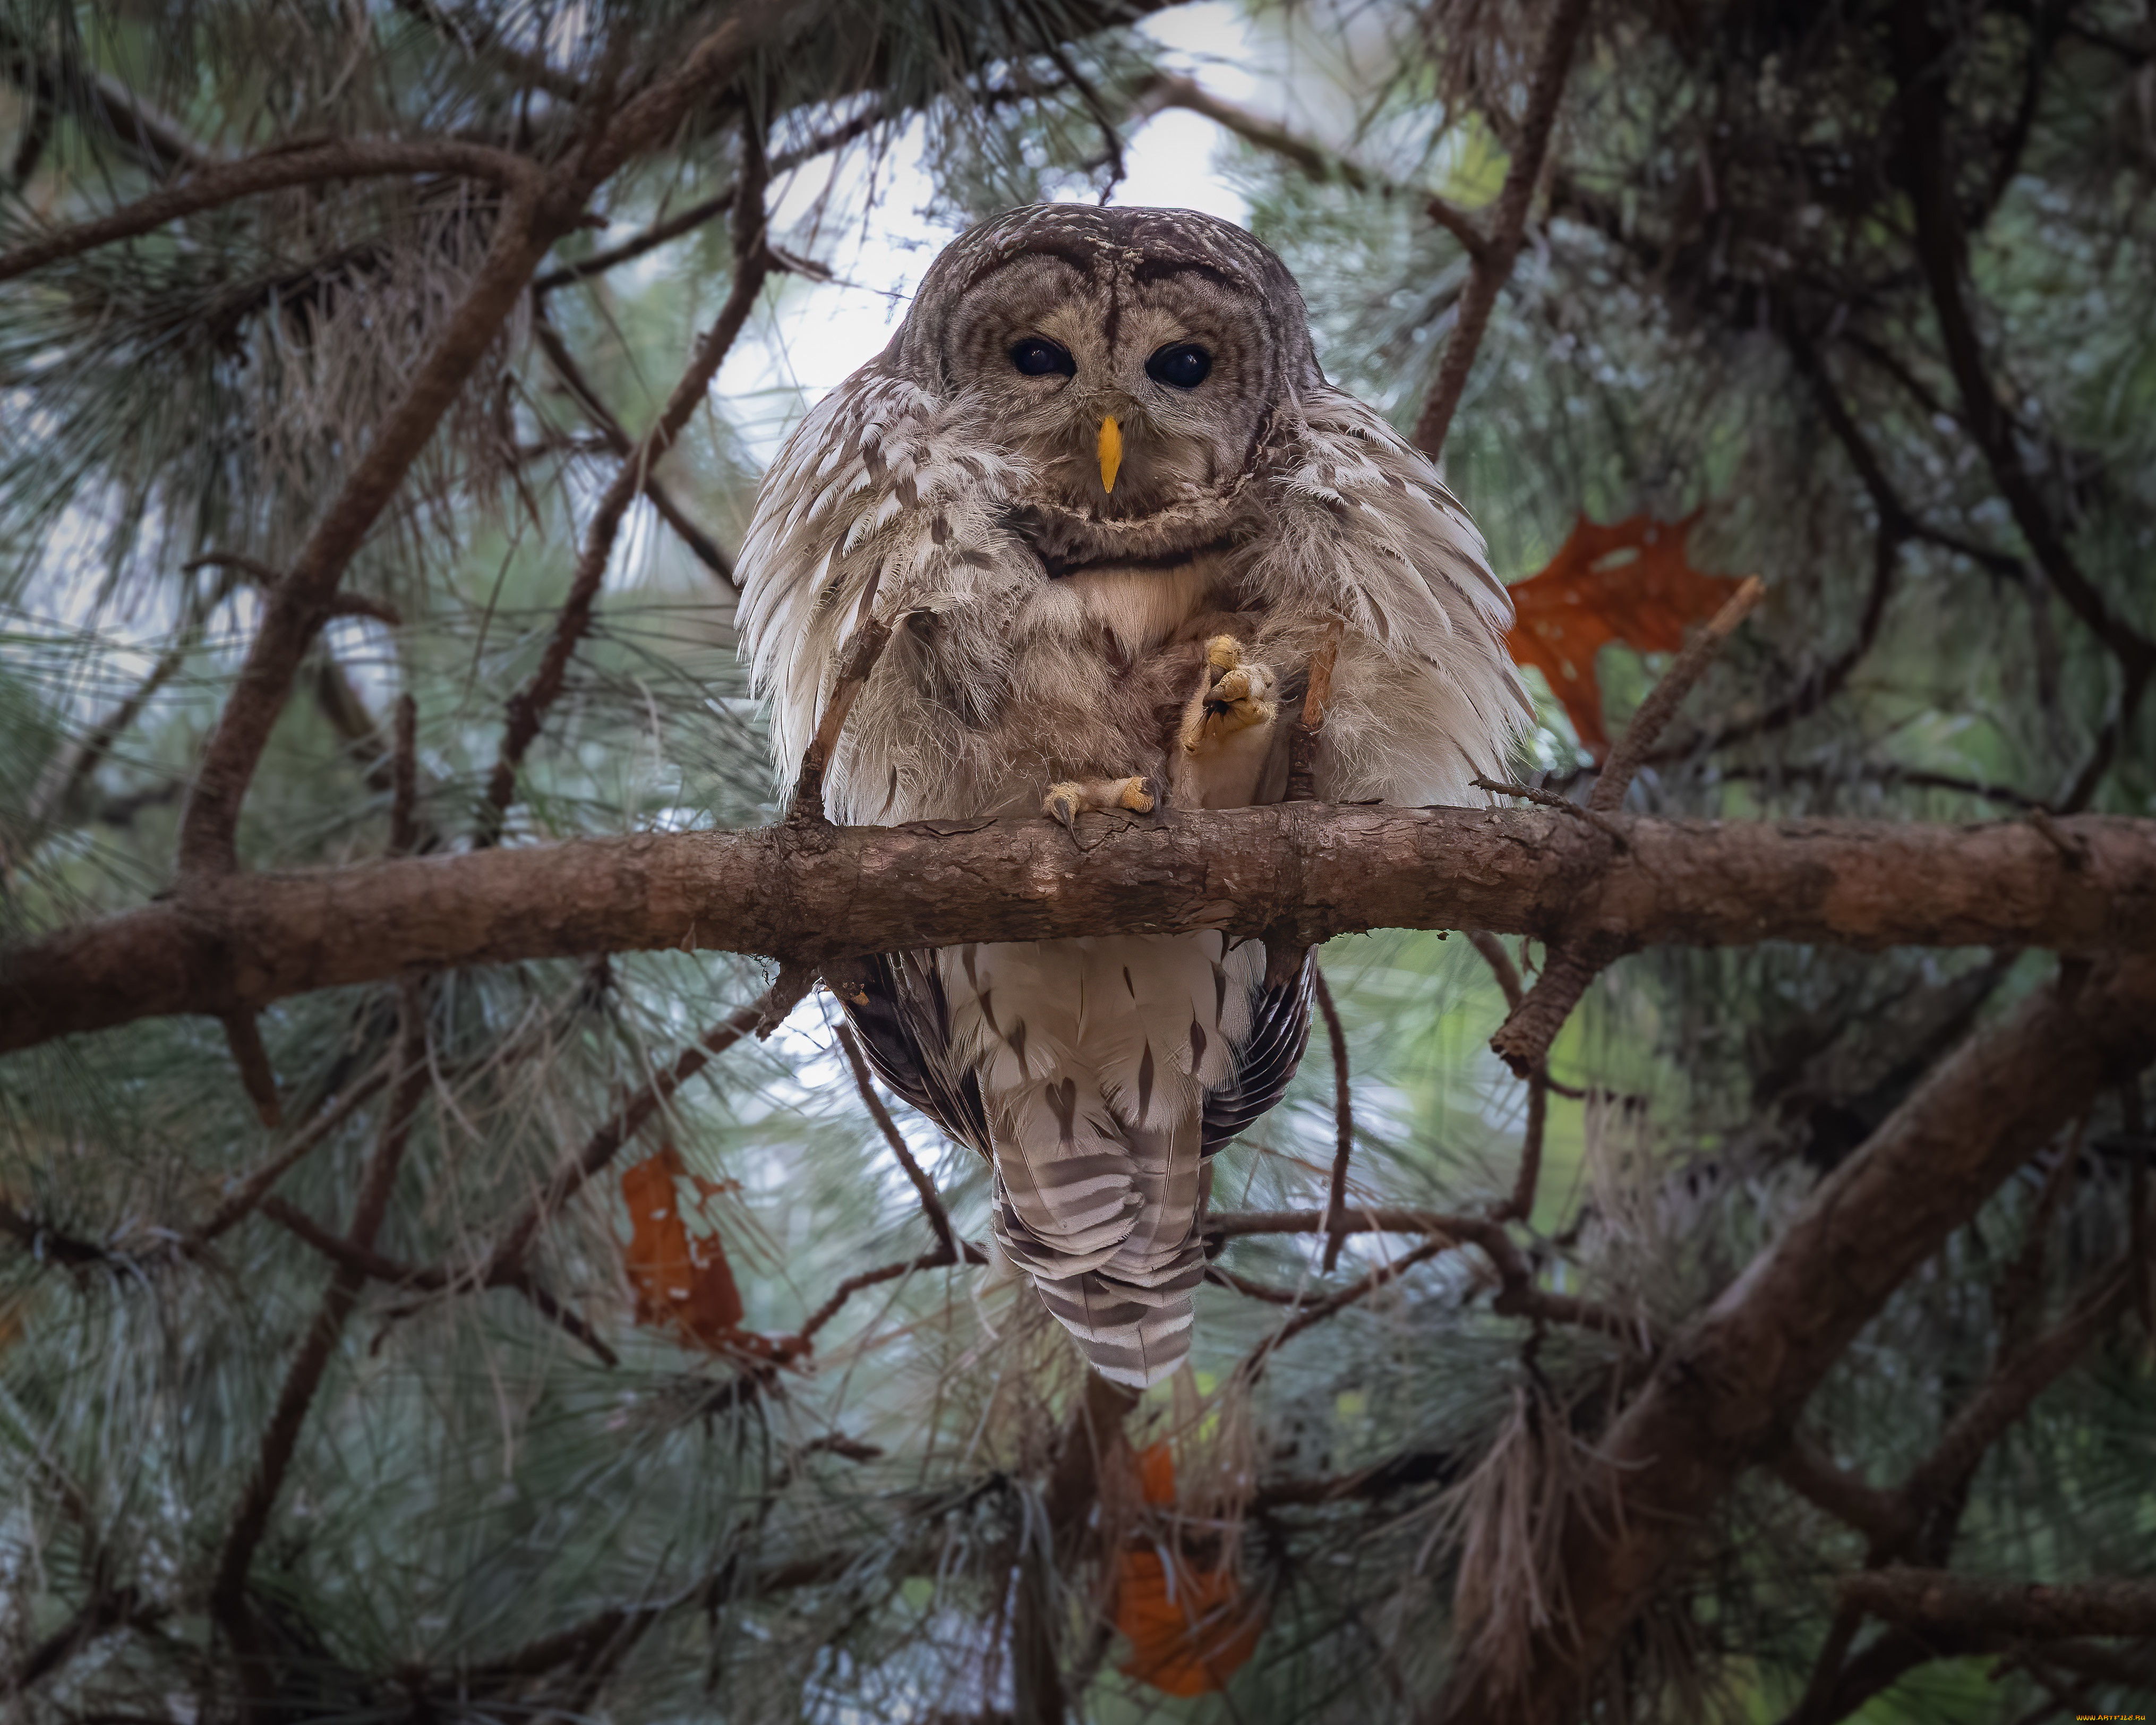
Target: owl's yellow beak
x,y
1111,452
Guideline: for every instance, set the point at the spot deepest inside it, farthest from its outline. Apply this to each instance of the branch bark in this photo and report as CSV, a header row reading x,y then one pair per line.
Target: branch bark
x,y
1724,1392
1313,870
1930,1599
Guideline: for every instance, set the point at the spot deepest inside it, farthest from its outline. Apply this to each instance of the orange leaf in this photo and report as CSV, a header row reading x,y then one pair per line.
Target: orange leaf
x,y
1628,581
681,1284
1157,1474
1190,1637
1187,1639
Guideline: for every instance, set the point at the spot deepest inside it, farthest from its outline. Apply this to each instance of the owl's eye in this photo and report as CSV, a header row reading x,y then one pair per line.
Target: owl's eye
x,y
1184,365
1036,356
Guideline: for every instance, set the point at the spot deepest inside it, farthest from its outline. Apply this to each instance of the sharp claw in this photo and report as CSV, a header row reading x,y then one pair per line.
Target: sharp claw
x,y
1137,795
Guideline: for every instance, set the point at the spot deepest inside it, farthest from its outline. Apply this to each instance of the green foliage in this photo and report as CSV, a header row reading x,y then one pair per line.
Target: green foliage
x,y
486,1516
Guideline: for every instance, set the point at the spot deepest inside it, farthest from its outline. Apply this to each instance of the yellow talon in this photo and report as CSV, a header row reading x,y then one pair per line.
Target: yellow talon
x,y
1223,653
1111,453
1137,796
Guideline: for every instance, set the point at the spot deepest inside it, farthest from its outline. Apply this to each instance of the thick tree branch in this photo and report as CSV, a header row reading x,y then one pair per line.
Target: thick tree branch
x,y
1724,1393
1930,1599
1491,267
1315,869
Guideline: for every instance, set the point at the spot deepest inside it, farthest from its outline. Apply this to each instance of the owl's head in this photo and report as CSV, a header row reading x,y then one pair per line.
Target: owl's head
x,y
1129,359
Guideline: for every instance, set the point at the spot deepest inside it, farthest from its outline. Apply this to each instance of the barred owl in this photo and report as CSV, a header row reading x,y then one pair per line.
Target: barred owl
x,y
1102,492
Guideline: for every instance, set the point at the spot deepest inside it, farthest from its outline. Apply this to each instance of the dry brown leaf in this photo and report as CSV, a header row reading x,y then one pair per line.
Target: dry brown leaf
x,y
682,1282
1189,1631
1628,581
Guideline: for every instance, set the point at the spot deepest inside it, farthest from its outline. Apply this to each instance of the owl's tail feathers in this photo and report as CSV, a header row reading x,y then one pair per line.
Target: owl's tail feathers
x,y
1131,1334
1110,1237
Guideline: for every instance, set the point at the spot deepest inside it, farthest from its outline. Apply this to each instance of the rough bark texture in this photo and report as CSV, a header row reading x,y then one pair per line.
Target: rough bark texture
x,y
1930,1599
1299,872
1727,1387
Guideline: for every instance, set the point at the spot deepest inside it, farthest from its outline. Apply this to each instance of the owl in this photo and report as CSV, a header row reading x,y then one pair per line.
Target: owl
x,y
1109,506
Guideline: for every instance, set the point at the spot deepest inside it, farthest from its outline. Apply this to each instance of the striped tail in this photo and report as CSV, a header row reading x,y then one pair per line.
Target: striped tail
x,y
1093,1059
1131,1311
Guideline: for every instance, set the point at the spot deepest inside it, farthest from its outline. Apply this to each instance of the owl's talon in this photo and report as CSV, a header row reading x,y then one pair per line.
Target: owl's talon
x,y
1236,696
1072,797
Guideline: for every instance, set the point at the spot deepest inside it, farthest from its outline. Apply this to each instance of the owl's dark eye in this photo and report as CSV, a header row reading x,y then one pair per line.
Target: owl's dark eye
x,y
1184,365
1037,356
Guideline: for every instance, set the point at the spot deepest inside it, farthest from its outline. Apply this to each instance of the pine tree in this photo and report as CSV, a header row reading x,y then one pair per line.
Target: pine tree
x,y
457,1267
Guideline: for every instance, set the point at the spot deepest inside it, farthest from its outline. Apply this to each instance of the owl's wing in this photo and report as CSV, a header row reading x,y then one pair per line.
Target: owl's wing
x,y
897,1002
1425,696
1279,1029
885,500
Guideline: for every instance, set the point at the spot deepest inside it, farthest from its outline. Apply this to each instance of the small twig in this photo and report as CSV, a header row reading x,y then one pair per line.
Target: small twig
x,y
244,1036
226,182
1461,226
616,438
1356,1290
507,1257
694,215
1521,1206
931,1205
527,708
1343,1115
856,661
1563,805
364,1260
1524,1041
1303,739
1840,1493
852,1285
228,1605
1499,961
240,1205
404,779
1662,702
2006,1394
1258,1290
1516,1295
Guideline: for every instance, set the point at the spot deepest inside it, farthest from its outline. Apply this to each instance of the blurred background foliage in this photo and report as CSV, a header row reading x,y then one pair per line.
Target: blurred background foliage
x,y
491,1514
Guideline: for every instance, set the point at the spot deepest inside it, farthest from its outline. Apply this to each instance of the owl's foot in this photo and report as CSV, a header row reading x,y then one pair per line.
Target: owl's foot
x,y
1236,695
1067,801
